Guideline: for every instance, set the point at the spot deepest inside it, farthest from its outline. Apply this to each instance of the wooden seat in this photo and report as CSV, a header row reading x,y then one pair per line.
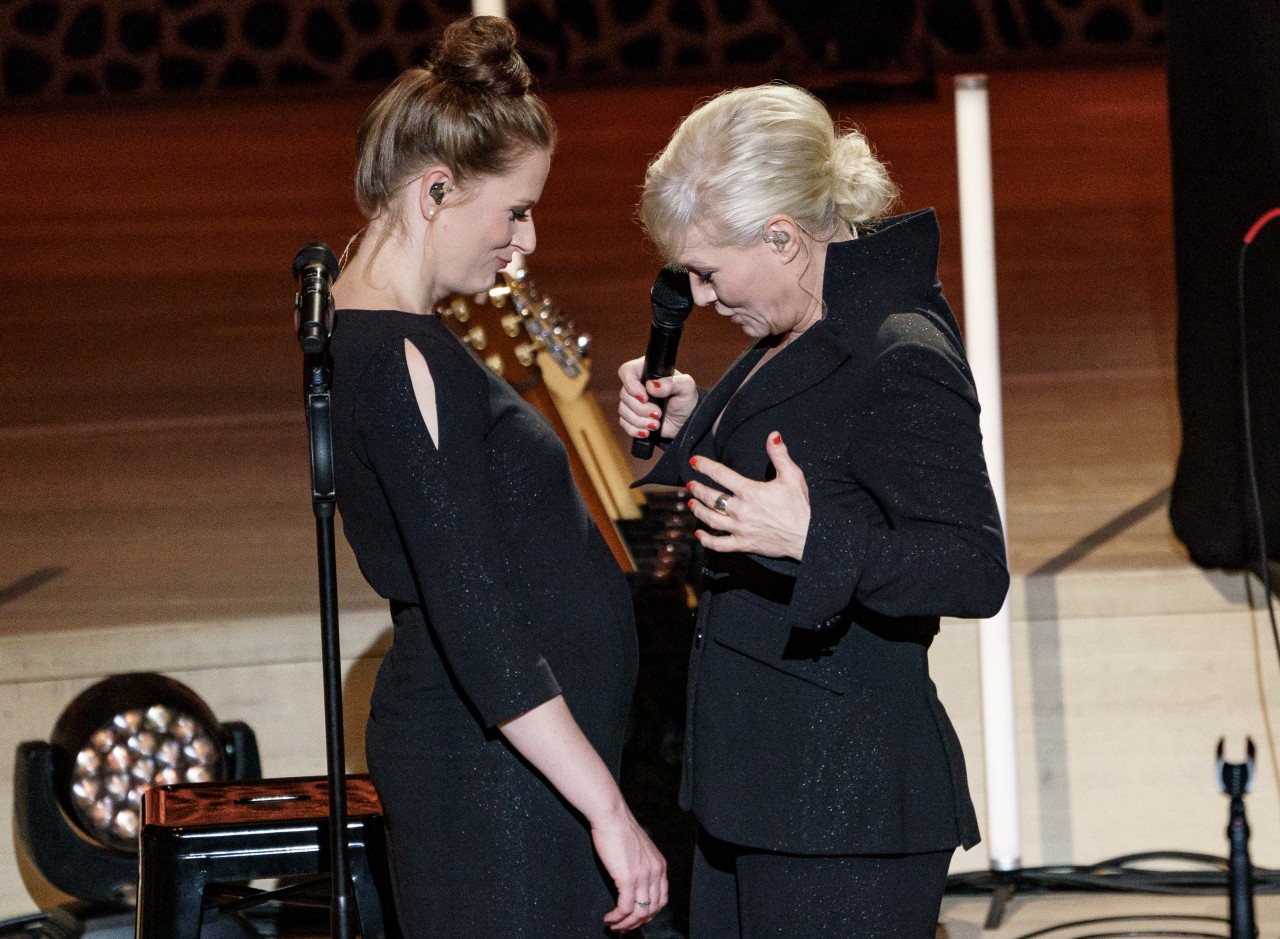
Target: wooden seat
x,y
198,834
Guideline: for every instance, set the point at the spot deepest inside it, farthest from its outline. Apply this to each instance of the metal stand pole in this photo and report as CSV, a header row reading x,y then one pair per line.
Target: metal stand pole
x,y
1235,779
317,267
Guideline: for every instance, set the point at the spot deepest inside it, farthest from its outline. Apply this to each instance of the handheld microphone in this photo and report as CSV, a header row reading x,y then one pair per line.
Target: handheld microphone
x,y
315,268
672,302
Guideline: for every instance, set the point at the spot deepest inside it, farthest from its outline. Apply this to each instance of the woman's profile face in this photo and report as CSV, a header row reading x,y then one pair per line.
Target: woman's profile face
x,y
490,220
746,283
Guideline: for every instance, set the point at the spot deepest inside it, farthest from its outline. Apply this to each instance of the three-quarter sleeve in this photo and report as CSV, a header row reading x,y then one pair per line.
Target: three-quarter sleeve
x,y
443,504
917,533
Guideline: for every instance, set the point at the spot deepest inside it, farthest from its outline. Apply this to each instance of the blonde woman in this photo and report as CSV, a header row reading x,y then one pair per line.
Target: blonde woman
x,y
837,469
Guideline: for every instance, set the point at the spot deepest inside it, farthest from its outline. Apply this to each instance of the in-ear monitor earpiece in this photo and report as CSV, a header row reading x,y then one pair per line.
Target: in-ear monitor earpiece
x,y
437,192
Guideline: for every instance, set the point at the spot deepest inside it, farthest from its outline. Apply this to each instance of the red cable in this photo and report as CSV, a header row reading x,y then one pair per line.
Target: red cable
x,y
1259,225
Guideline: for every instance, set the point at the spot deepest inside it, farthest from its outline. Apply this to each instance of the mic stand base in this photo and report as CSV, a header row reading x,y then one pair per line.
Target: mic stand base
x,y
1001,895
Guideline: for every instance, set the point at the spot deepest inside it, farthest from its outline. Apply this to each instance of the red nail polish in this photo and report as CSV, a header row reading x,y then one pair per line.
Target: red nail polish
x,y
653,425
690,503
777,438
655,414
689,486
693,461
644,433
640,398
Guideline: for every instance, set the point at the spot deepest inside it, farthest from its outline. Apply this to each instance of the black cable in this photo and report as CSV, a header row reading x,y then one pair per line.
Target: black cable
x,y
1116,875
1188,857
1251,465
1121,919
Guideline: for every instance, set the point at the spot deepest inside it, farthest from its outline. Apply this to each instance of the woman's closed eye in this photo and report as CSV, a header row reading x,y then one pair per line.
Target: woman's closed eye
x,y
521,215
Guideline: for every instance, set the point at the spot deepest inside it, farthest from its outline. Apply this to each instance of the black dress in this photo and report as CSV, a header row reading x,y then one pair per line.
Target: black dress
x,y
503,595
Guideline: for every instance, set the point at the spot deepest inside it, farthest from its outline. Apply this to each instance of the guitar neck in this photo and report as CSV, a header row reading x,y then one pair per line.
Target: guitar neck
x,y
521,338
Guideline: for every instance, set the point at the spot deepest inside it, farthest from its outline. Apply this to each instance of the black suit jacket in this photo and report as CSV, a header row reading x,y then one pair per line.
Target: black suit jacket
x,y
813,724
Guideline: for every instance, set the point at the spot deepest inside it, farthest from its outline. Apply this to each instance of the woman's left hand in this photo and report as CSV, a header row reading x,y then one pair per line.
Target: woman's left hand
x,y
770,519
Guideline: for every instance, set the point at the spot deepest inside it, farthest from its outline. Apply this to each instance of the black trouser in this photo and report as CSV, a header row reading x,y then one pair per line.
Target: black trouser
x,y
744,893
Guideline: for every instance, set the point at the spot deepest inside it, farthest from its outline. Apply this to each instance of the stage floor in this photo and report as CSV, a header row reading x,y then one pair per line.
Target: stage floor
x,y
1087,916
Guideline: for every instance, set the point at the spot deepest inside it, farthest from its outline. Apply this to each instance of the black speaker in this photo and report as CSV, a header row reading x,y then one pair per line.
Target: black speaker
x,y
1224,121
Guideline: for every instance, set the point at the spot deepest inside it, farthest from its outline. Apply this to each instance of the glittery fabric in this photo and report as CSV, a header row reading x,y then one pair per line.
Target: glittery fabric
x,y
503,594
741,893
814,727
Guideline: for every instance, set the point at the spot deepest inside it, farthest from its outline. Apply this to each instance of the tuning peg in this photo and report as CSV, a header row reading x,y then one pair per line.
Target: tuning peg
x,y
511,324
527,352
498,294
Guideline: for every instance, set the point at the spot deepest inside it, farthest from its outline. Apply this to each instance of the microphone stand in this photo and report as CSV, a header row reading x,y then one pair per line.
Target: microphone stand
x,y
316,372
1236,779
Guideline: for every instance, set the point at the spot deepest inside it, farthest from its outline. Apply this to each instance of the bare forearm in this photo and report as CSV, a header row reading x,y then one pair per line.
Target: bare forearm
x,y
550,739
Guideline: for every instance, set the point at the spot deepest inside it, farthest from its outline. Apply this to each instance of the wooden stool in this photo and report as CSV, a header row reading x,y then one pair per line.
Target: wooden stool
x,y
197,834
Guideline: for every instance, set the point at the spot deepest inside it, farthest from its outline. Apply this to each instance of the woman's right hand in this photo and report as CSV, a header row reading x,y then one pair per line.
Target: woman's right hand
x,y
638,415
638,870
549,738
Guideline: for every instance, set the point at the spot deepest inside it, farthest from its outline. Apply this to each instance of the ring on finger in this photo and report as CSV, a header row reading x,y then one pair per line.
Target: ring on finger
x,y
642,903
721,504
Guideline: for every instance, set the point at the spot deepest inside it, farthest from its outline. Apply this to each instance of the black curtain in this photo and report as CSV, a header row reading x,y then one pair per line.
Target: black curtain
x,y
1224,117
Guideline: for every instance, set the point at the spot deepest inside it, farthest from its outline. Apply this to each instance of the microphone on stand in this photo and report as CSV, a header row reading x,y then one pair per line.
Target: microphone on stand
x,y
315,268
672,302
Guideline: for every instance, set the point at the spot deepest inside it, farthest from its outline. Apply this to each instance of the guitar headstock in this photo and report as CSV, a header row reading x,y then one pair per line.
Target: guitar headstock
x,y
510,324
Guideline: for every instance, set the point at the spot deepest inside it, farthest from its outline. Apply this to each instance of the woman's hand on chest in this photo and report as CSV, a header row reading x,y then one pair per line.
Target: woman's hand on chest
x,y
766,518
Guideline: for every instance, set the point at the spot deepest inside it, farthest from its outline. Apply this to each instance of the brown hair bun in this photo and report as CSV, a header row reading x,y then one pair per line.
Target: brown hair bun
x,y
468,109
480,53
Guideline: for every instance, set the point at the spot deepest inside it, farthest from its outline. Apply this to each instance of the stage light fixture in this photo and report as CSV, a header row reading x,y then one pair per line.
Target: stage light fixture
x,y
77,798
134,750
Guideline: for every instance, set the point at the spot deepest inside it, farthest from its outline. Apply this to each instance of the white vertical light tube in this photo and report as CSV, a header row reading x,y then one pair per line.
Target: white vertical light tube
x,y
497,8
982,341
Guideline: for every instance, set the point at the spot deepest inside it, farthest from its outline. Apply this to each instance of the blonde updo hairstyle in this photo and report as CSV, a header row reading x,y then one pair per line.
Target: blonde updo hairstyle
x,y
469,109
752,153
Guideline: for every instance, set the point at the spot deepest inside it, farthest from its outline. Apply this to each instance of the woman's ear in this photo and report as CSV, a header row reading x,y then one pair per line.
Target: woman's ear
x,y
783,233
433,188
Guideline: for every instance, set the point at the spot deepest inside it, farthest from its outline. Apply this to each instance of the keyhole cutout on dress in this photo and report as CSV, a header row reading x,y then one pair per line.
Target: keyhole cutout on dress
x,y
424,389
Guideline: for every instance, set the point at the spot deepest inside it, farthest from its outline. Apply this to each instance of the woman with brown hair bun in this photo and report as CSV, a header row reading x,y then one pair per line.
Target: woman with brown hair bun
x,y
497,718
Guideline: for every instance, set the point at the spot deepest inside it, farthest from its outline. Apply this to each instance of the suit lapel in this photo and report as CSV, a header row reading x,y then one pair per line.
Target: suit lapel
x,y
672,463
704,417
810,358
819,353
